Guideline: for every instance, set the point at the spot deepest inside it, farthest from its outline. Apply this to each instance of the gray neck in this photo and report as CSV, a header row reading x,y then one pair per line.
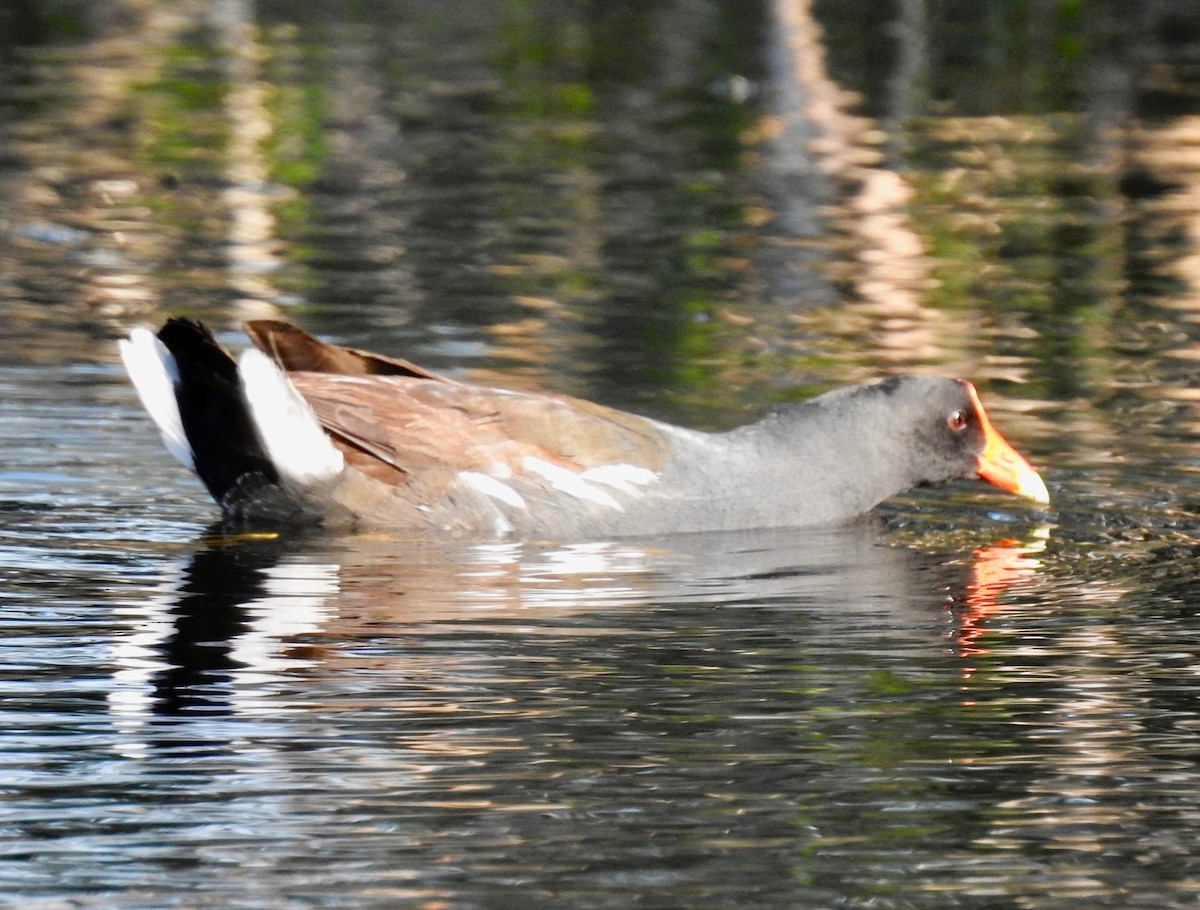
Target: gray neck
x,y
810,462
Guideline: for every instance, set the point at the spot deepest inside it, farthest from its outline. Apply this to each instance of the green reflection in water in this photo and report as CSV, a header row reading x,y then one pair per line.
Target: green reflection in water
x,y
34,22
180,134
296,152
1019,228
183,128
664,213
297,148
1009,127
979,58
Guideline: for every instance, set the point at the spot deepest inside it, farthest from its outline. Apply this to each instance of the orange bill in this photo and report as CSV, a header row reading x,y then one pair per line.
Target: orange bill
x,y
1004,466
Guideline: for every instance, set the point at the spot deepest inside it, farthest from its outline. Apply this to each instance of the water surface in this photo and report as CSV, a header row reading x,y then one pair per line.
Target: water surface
x,y
680,208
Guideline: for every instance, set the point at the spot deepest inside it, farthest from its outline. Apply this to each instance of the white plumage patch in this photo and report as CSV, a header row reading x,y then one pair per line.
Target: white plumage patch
x,y
493,488
289,429
623,477
154,374
568,482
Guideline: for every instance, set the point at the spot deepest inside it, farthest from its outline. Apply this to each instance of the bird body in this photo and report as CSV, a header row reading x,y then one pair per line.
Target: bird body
x,y
300,431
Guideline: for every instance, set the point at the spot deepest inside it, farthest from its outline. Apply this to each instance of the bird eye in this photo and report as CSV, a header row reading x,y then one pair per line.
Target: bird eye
x,y
958,421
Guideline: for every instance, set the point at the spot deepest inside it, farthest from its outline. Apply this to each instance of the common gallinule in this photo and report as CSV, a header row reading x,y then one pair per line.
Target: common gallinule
x,y
298,430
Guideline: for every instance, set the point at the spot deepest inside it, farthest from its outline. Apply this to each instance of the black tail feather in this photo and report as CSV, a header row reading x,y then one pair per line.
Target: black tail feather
x,y
228,452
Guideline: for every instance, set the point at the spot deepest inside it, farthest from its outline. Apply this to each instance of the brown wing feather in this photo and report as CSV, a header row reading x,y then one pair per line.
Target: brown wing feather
x,y
394,419
295,350
416,425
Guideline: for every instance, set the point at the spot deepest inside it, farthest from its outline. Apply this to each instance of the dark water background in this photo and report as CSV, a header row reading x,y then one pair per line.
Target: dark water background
x,y
691,208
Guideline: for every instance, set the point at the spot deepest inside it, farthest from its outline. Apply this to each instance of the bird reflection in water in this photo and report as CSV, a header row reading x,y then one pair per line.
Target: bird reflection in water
x,y
227,620
233,629
994,570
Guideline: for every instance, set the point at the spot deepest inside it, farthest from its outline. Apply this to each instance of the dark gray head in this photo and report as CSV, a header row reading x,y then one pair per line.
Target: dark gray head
x,y
901,432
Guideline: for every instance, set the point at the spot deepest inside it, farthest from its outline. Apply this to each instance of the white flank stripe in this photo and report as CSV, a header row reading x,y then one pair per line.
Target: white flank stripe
x,y
568,482
623,477
499,470
493,488
290,431
152,370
